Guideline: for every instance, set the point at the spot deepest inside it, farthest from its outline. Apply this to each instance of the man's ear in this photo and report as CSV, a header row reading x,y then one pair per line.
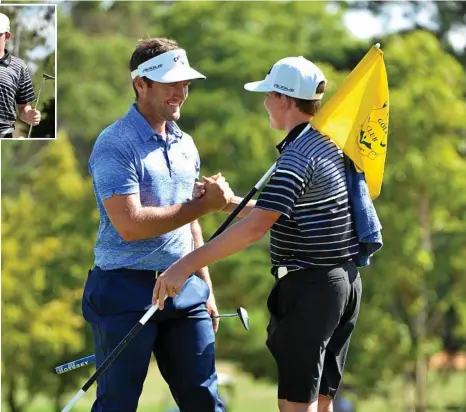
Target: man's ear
x,y
139,84
7,36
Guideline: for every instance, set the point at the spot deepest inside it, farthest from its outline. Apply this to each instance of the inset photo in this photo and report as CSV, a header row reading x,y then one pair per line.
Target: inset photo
x,y
27,71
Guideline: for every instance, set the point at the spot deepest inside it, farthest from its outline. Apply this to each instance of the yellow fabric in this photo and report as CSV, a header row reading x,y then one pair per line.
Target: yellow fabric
x,y
356,118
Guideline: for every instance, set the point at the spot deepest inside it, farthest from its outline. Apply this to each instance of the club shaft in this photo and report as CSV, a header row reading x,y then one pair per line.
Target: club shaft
x,y
110,358
102,368
45,77
226,315
244,202
37,102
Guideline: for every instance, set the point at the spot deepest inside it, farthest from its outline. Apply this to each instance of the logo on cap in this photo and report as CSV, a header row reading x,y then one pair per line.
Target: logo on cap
x,y
284,88
180,59
152,68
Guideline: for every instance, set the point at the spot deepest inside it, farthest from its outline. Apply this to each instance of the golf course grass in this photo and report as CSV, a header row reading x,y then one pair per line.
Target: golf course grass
x,y
257,396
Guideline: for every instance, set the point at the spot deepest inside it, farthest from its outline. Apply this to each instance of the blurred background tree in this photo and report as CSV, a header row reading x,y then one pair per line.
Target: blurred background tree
x,y
414,304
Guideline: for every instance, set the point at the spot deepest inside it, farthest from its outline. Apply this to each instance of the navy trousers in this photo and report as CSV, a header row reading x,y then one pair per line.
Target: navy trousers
x,y
181,338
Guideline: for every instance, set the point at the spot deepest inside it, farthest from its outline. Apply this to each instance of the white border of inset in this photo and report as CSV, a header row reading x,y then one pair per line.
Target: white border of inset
x,y
54,5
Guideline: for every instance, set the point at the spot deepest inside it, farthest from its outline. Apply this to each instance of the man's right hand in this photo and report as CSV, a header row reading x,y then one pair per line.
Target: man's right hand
x,y
217,192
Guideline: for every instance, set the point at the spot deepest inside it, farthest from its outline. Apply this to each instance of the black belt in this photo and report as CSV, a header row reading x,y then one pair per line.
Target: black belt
x,y
281,271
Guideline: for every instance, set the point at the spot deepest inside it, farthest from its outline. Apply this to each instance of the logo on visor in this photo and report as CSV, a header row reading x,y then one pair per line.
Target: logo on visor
x,y
180,59
152,68
284,88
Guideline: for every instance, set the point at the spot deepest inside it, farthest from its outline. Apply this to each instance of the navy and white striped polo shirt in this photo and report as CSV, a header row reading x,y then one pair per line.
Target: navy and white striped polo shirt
x,y
308,189
15,88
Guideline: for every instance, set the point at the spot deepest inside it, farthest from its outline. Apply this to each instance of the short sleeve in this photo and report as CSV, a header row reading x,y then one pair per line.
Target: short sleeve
x,y
287,183
112,169
25,92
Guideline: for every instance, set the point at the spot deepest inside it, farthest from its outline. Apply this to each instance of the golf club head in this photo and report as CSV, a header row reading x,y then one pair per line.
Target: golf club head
x,y
243,315
48,76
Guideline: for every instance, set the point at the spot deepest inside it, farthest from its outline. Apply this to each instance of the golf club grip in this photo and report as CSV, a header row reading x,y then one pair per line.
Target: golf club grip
x,y
75,364
235,213
110,358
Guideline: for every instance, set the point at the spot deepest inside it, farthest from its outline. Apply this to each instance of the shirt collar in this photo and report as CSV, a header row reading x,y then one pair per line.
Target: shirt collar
x,y
6,59
144,129
292,135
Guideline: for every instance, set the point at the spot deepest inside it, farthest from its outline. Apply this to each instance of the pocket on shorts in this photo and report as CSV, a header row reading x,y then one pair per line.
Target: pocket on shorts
x,y
89,307
277,301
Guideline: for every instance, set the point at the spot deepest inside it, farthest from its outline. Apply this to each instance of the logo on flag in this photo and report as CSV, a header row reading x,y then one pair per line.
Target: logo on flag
x,y
356,118
372,141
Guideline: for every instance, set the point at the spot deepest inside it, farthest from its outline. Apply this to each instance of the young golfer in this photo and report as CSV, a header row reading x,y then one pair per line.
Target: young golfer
x,y
16,90
315,302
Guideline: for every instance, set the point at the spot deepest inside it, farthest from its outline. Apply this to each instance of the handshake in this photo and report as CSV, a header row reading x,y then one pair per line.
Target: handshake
x,y
214,191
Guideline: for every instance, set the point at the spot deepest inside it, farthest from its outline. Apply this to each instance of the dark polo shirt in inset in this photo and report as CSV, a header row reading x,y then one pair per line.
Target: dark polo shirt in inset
x,y
15,88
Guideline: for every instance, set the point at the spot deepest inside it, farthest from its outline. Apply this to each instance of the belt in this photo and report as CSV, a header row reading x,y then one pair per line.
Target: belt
x,y
156,273
281,271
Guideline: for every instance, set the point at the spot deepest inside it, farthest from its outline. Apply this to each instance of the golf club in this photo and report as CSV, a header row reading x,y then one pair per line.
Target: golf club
x,y
240,312
153,308
110,358
45,77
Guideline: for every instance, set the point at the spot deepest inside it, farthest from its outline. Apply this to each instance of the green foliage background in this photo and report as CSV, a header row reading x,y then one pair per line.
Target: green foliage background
x,y
414,291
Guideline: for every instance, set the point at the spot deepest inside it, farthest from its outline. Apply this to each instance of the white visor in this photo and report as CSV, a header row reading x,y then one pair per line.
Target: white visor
x,y
169,67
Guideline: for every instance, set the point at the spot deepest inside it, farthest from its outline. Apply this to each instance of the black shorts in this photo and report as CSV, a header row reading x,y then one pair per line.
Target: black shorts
x,y
313,314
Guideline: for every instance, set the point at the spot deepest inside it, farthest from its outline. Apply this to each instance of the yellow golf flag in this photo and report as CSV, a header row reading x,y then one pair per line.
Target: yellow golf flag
x,y
356,118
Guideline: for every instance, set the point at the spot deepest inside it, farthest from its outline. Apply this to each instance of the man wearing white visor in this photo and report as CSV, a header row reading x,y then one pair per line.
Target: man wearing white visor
x,y
315,301
143,169
16,91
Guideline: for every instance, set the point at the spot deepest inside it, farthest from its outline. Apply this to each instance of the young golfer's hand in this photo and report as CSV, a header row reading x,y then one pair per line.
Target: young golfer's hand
x,y
169,283
198,190
32,117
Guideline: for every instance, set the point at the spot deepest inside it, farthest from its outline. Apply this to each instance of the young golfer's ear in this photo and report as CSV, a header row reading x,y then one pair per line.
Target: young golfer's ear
x,y
288,102
7,36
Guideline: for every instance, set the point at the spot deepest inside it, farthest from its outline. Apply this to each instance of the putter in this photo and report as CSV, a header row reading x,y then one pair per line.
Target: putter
x,y
153,308
240,312
45,77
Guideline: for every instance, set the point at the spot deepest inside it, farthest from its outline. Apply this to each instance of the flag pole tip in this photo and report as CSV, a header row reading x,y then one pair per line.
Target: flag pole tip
x,y
377,45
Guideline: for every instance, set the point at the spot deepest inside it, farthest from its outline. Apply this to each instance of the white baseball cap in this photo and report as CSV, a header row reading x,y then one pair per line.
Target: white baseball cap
x,y
168,67
4,23
293,76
